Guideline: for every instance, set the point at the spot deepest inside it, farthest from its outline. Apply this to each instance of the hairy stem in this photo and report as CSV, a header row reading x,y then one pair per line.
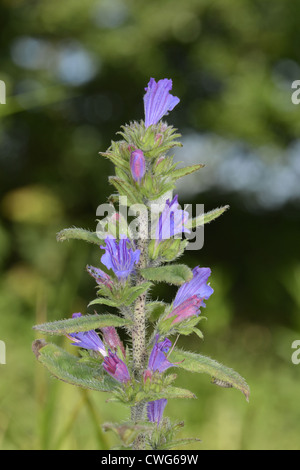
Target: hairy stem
x,y
139,327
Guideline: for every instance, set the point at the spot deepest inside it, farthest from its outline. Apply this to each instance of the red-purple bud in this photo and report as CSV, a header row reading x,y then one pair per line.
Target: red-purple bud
x,y
112,339
147,375
159,160
137,165
159,139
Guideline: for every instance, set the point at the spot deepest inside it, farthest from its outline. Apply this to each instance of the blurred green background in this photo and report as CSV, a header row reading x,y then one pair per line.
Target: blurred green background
x,y
75,72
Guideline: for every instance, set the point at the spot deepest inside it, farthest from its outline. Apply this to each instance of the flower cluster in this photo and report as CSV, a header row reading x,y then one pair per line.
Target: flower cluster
x,y
144,173
122,256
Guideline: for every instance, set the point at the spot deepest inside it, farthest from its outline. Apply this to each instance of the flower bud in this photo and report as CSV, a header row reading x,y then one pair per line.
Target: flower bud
x,y
137,165
111,338
159,139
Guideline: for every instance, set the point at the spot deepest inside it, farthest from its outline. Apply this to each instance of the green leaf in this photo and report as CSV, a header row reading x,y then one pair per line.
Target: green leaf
x,y
155,309
162,165
221,375
116,160
78,234
126,297
189,326
165,188
84,323
174,274
134,292
66,367
103,301
126,189
168,392
180,172
198,333
206,218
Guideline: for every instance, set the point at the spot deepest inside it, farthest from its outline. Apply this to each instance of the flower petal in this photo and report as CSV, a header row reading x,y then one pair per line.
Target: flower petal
x,y
158,101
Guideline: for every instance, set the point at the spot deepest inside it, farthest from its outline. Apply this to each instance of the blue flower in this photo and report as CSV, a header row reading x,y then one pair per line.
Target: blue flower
x,y
87,339
191,295
155,410
158,101
158,360
171,221
195,287
120,257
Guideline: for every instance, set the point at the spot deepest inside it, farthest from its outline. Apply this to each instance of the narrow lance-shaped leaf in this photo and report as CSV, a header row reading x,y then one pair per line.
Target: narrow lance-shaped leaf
x,y
116,160
83,323
66,367
104,301
78,234
126,189
221,375
175,274
168,392
134,292
181,172
127,297
206,218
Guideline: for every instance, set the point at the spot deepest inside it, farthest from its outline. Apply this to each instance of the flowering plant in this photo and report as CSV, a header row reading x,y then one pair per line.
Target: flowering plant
x,y
136,256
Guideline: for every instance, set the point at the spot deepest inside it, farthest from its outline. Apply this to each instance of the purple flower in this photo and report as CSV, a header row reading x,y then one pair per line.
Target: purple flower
x,y
120,257
116,368
158,101
137,165
191,295
101,277
158,360
87,339
155,410
171,221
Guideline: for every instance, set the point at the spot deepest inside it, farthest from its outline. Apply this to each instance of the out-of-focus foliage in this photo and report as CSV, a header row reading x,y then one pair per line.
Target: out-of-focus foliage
x,y
74,72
